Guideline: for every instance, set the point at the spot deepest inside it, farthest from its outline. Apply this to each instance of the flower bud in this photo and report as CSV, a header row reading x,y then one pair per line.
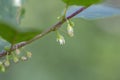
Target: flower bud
x,y
23,58
2,68
70,30
7,63
29,54
17,51
15,59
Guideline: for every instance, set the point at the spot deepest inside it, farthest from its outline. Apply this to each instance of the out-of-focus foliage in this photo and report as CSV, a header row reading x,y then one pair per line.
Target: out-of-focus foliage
x,y
113,3
81,2
3,43
95,12
92,54
15,35
9,27
8,11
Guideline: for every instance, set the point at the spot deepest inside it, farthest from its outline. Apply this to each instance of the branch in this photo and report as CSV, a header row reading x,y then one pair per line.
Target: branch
x,y
52,28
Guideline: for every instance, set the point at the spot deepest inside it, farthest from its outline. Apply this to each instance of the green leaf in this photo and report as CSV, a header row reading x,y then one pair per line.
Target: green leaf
x,y
9,27
16,35
81,2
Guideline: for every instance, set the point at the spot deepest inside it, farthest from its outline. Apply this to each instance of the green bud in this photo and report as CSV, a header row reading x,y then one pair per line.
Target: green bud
x,y
58,17
70,30
7,63
2,68
15,59
29,54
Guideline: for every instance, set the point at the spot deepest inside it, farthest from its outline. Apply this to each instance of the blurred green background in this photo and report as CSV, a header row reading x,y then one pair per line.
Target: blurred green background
x,y
92,54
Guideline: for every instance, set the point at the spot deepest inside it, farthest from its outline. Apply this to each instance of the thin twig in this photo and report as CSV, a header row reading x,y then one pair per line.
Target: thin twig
x,y
52,28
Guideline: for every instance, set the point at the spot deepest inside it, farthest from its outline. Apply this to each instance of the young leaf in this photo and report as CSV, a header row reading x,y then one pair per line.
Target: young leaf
x,y
94,12
81,2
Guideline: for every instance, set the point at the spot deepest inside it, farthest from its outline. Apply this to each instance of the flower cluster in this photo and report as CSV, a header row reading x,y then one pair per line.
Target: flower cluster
x,y
16,56
70,32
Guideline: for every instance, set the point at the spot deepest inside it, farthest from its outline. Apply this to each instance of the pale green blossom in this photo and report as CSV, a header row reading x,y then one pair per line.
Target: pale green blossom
x,y
61,39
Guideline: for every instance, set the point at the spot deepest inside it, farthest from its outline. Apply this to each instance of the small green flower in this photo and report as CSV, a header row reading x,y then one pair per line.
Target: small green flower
x,y
60,39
